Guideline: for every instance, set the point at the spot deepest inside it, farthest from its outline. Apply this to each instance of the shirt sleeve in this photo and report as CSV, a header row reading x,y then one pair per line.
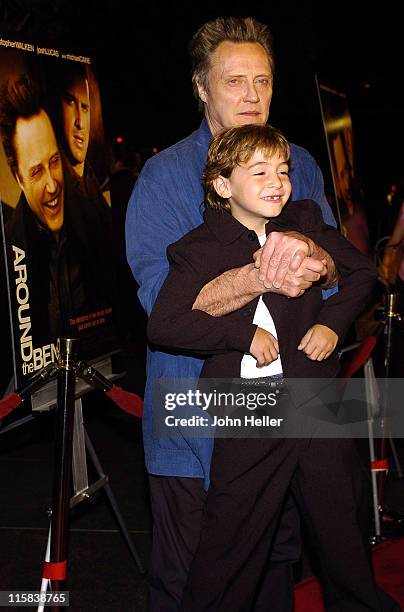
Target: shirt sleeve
x,y
151,225
314,185
173,324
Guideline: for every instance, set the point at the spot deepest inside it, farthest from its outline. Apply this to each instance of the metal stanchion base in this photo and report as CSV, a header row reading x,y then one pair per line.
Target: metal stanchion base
x,y
71,444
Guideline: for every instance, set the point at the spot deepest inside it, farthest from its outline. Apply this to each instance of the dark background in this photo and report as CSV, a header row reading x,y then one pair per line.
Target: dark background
x,y
143,69
144,77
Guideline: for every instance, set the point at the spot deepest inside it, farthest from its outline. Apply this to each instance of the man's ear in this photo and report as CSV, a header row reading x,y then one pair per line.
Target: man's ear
x,y
202,91
222,187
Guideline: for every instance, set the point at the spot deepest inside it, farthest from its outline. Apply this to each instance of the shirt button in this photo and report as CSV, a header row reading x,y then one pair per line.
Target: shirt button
x,y
252,236
247,312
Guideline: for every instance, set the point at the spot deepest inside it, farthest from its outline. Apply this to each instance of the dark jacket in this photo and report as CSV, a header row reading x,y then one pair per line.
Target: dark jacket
x,y
222,243
70,284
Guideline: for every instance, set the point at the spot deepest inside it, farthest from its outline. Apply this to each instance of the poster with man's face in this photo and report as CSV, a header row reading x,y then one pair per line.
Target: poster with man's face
x,y
340,144
56,216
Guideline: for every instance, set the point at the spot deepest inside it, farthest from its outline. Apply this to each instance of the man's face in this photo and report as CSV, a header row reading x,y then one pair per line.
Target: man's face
x,y
40,173
76,122
239,86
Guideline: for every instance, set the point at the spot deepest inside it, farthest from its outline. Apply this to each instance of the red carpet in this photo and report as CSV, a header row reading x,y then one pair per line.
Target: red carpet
x,y
388,562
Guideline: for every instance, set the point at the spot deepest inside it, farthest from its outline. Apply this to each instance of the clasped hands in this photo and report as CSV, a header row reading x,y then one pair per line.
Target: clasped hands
x,y
285,264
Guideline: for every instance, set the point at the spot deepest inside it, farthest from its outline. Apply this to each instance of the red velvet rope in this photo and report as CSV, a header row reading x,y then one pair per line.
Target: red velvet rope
x,y
54,571
360,357
8,403
379,466
129,402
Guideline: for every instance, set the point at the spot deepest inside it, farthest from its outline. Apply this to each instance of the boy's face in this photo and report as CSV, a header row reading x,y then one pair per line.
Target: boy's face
x,y
257,189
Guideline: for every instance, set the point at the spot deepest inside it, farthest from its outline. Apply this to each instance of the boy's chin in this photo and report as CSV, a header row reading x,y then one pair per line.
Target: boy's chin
x,y
275,211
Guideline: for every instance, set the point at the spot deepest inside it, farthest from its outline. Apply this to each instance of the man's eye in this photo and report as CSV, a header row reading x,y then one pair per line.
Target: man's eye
x,y
36,173
284,172
68,100
233,81
264,82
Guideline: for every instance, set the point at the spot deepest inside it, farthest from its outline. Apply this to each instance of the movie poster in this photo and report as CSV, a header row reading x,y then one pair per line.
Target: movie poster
x,y
340,144
56,215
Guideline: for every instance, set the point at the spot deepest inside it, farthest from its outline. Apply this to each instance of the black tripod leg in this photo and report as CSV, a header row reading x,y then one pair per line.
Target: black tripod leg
x,y
113,502
56,568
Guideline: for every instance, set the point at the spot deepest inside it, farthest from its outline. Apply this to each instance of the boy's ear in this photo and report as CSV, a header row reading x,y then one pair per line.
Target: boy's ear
x,y
222,187
201,91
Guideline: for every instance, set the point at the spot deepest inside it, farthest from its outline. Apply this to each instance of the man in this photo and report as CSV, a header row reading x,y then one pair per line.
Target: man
x,y
232,76
76,121
53,235
69,94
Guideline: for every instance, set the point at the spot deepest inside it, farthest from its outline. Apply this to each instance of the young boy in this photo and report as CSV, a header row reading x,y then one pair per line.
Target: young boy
x,y
247,190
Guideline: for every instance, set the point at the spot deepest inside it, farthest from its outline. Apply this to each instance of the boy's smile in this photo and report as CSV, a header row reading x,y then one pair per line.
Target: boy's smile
x,y
257,190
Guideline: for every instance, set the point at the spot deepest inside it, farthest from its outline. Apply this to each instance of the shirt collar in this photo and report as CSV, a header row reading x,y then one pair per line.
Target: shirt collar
x,y
204,135
223,226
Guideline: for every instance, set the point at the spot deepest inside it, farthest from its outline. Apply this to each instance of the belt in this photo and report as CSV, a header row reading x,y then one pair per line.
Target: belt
x,y
272,382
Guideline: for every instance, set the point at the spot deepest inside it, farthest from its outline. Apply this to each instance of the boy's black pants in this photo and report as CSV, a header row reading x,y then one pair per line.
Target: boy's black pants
x,y
249,481
177,507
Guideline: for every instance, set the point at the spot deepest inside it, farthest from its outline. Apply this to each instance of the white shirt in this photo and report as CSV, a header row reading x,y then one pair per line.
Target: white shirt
x,y
263,319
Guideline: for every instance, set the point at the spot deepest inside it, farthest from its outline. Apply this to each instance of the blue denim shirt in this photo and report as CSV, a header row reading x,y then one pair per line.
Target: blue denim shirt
x,y
166,203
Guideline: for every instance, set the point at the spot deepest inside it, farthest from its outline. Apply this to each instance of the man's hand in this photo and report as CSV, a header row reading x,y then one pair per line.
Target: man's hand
x,y
264,347
296,283
318,342
290,253
281,253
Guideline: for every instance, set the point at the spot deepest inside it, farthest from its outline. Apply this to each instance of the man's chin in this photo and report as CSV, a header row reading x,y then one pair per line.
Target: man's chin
x,y
55,227
250,119
54,223
78,158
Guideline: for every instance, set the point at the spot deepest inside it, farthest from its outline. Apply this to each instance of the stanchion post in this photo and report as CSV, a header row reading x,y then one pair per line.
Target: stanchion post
x,y
391,317
67,353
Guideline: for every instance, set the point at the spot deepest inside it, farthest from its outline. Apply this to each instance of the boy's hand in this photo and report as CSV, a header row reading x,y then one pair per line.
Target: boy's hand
x,y
264,347
318,342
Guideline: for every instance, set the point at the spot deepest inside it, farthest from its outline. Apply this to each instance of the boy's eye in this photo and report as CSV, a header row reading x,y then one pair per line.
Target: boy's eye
x,y
259,173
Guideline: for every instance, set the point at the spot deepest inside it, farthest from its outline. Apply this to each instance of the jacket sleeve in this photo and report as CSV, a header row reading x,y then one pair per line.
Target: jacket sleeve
x,y
173,324
357,276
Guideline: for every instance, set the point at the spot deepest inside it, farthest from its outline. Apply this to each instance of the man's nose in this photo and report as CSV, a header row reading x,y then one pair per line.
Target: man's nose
x,y
78,120
51,183
251,92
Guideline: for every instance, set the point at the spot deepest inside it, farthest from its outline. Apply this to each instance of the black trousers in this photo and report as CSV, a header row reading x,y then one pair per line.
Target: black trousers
x,y
249,481
177,508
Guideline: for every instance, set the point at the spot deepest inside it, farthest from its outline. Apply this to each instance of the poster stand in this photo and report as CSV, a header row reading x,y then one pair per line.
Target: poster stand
x,y
71,444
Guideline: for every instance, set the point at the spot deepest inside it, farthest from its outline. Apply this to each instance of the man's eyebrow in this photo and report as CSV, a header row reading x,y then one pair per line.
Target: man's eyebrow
x,y
242,74
68,94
